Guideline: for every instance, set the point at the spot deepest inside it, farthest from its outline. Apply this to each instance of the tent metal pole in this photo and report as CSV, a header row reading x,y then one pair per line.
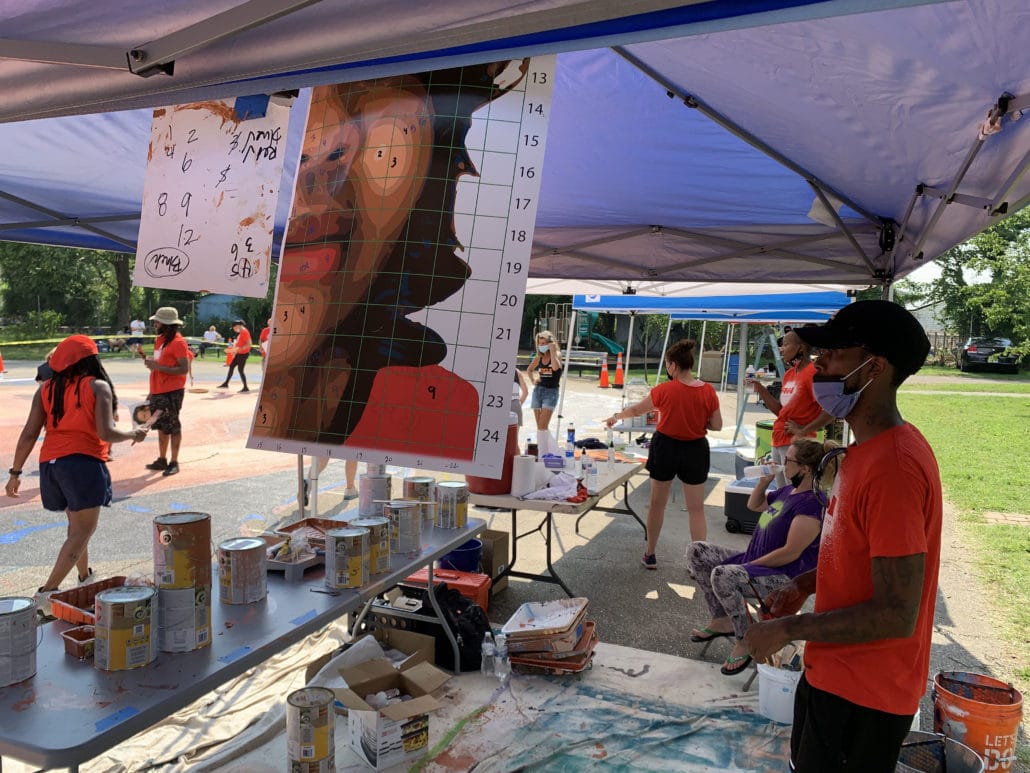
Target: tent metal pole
x,y
564,371
58,216
741,397
629,346
701,348
665,348
726,357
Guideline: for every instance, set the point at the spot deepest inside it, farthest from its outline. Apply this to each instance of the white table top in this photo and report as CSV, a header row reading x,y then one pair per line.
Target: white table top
x,y
607,481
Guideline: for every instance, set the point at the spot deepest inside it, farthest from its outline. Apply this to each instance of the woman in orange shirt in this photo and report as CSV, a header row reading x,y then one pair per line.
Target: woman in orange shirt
x,y
679,449
76,406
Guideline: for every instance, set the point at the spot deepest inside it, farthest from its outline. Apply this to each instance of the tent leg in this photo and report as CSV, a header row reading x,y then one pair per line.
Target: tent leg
x,y
565,372
625,362
665,348
741,396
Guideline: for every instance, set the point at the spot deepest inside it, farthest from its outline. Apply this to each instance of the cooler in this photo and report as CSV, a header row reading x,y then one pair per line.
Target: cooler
x,y
763,439
472,585
738,517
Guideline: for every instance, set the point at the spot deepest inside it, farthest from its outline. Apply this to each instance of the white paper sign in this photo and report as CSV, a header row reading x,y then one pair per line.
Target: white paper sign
x,y
210,196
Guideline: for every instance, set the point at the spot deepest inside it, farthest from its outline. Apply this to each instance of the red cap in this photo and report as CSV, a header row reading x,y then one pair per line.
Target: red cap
x,y
70,351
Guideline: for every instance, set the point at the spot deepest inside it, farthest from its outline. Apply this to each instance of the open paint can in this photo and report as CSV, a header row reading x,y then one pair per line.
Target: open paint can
x,y
378,542
17,639
242,571
346,558
125,629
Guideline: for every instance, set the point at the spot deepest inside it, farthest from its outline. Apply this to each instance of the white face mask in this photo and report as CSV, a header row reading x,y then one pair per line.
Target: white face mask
x,y
544,349
832,398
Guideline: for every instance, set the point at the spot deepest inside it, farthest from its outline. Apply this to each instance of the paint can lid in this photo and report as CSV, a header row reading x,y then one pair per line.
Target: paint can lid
x,y
12,604
242,543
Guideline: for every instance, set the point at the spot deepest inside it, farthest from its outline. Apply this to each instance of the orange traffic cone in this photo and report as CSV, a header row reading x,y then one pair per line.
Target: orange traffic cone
x,y
604,373
620,377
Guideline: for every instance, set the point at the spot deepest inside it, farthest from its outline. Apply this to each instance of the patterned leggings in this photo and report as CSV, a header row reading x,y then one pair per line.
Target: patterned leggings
x,y
726,587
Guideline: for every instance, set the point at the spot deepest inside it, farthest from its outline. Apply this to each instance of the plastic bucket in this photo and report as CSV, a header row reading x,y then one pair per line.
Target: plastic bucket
x,y
981,712
776,687
930,753
465,558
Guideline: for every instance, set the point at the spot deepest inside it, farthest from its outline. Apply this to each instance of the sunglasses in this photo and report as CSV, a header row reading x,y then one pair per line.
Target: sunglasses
x,y
830,458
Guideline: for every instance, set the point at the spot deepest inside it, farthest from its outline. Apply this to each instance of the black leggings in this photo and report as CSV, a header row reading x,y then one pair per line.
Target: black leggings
x,y
239,361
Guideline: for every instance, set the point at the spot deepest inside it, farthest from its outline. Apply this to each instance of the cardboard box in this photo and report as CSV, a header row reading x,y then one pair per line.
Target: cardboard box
x,y
419,648
495,556
396,734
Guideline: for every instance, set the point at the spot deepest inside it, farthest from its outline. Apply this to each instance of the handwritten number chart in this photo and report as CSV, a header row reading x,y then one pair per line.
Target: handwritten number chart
x,y
209,198
401,286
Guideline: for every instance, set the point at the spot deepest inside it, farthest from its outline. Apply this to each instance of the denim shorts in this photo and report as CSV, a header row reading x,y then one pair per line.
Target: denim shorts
x,y
74,482
545,398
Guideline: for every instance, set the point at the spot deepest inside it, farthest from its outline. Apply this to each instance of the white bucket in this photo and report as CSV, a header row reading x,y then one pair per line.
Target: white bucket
x,y
776,688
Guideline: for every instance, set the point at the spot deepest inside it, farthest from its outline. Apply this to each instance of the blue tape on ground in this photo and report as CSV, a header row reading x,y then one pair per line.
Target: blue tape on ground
x,y
113,719
138,509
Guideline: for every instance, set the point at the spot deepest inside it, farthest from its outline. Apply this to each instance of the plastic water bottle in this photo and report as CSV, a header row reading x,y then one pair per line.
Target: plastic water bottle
x,y
590,474
570,448
610,439
502,666
489,655
759,470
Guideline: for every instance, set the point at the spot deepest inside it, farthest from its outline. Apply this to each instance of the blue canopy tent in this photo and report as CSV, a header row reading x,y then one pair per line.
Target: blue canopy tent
x,y
743,309
783,141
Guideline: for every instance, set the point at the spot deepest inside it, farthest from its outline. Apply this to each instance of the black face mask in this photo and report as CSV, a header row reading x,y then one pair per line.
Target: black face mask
x,y
795,480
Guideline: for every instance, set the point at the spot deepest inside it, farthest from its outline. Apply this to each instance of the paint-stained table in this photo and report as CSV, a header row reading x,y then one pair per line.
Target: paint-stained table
x,y
70,712
608,480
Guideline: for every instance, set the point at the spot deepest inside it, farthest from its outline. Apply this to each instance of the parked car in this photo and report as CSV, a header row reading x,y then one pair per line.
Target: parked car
x,y
984,353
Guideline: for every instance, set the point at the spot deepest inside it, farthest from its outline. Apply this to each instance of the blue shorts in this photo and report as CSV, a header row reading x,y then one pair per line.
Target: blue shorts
x,y
545,398
74,482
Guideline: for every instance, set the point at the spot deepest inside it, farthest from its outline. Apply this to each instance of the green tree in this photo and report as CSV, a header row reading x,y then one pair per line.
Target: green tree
x,y
984,286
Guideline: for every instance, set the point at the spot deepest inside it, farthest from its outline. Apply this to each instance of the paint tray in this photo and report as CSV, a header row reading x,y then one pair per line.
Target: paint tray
x,y
536,619
555,643
76,605
574,665
581,647
311,529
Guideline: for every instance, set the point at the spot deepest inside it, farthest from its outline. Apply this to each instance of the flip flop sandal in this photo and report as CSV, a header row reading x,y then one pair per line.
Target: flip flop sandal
x,y
710,635
734,666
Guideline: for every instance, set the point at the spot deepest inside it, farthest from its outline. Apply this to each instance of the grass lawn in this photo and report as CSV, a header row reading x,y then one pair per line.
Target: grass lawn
x,y
982,444
1011,387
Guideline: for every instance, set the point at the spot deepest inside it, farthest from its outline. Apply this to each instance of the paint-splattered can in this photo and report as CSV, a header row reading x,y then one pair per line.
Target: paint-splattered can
x,y
310,731
373,490
182,550
183,618
17,639
346,558
422,489
242,577
125,628
405,526
378,542
452,504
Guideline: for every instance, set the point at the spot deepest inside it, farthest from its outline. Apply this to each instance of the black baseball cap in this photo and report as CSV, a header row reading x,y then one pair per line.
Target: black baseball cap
x,y
882,327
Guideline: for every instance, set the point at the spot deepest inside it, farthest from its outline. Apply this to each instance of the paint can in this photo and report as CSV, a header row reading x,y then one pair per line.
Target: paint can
x,y
378,542
421,488
124,629
373,490
182,550
183,618
346,558
452,504
242,577
311,730
17,639
405,526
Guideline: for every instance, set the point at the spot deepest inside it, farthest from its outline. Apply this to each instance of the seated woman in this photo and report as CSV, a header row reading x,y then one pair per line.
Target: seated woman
x,y
784,545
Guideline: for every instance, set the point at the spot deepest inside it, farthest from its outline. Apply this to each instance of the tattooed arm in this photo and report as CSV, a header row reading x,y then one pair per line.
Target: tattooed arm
x,y
890,613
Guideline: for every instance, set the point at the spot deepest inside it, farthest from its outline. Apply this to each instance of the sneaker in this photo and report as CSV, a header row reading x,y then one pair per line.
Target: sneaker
x,y
245,389
649,561
160,463
171,469
223,386
350,493
42,599
88,578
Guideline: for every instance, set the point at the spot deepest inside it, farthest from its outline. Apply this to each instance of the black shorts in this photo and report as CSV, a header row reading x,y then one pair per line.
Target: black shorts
x,y
170,403
833,735
688,460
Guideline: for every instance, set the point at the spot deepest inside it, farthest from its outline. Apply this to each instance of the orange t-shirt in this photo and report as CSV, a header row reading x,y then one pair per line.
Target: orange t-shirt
x,y
243,340
77,431
685,408
797,403
169,355
886,503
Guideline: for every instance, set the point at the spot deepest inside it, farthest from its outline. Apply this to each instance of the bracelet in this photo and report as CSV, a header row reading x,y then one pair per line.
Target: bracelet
x,y
13,472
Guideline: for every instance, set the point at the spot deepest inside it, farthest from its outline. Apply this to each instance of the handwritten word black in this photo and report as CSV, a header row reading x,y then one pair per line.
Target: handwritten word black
x,y
166,261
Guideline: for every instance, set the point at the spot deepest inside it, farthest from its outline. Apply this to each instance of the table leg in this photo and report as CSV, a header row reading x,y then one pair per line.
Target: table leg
x,y
431,592
553,577
627,510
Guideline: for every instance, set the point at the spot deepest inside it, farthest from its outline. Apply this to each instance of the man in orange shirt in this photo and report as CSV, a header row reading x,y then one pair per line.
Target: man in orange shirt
x,y
868,652
797,413
168,369
240,353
